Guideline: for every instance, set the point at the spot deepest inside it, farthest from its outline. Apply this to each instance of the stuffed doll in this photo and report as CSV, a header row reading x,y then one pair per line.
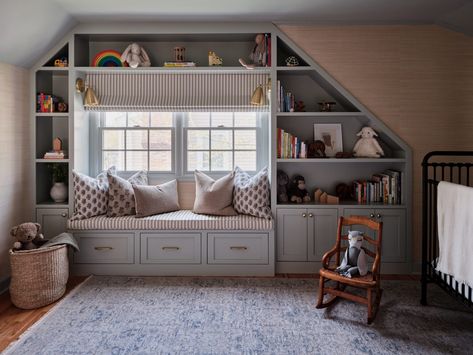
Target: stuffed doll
x,y
297,191
367,146
354,261
26,236
257,55
135,56
283,180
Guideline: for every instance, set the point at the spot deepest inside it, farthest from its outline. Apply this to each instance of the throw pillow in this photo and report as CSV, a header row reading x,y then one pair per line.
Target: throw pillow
x,y
90,195
213,197
252,194
150,200
121,199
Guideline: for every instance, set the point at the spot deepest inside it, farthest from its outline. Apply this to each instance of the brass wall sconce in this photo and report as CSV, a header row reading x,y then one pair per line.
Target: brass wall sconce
x,y
90,99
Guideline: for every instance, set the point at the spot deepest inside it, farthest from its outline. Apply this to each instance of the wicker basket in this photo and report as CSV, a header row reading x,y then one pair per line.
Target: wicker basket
x,y
39,276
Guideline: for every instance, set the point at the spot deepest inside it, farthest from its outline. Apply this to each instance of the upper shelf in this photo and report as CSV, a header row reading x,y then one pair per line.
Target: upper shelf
x,y
173,69
344,161
320,114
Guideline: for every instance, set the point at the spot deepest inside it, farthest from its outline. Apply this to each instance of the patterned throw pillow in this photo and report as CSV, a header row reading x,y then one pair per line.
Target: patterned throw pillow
x,y
90,195
251,194
121,199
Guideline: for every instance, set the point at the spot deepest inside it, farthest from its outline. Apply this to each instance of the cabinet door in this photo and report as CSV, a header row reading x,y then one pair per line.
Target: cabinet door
x,y
53,221
322,231
292,234
394,234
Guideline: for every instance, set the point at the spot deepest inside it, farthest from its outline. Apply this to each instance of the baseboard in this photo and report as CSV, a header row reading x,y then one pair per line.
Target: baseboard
x,y
4,284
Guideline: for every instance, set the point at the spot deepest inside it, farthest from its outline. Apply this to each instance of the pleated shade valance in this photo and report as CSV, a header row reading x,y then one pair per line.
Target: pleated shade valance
x,y
176,91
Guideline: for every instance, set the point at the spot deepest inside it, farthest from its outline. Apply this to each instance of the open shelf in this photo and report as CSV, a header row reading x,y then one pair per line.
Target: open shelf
x,y
350,204
52,81
52,114
47,129
344,161
320,114
52,160
284,51
52,204
173,69
44,180
62,53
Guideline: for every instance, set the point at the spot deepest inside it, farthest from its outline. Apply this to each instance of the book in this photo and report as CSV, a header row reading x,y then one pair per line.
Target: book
x,y
179,64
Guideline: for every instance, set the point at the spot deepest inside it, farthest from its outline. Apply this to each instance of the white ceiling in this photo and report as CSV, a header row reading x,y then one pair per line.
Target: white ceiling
x,y
30,27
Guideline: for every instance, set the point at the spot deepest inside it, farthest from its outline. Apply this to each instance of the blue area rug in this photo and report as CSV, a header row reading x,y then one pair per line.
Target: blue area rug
x,y
151,315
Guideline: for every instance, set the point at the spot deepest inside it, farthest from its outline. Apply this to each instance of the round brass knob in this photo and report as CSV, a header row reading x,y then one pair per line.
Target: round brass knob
x,y
304,215
311,215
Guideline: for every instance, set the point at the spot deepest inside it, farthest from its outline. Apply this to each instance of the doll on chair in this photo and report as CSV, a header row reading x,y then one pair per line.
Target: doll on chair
x,y
354,261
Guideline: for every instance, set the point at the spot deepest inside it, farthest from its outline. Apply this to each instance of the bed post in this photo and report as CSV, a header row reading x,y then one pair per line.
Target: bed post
x,y
425,177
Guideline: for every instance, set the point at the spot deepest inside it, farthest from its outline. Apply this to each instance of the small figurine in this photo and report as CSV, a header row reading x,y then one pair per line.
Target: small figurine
x,y
179,54
135,55
57,144
299,106
367,146
61,107
214,59
283,181
292,61
61,62
297,191
326,106
354,261
316,150
344,192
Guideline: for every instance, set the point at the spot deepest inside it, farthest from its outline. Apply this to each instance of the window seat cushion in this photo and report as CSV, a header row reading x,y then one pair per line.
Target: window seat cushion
x,y
178,220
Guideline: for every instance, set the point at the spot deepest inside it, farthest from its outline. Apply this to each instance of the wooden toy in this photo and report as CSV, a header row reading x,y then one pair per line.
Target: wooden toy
x,y
108,58
214,59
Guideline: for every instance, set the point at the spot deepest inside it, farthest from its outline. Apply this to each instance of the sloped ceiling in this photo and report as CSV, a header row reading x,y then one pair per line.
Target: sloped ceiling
x,y
30,27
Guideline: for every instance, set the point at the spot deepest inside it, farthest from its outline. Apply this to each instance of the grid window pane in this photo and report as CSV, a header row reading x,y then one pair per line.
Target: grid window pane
x,y
222,119
136,160
246,160
138,119
160,161
245,119
113,139
198,119
197,139
114,158
245,139
221,161
222,139
198,160
115,119
161,119
160,139
137,139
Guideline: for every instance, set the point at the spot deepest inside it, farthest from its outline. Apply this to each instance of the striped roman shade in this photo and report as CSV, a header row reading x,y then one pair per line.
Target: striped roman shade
x,y
176,91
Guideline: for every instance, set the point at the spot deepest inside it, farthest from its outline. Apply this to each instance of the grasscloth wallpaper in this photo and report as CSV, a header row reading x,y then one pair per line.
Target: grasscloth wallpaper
x,y
15,156
417,79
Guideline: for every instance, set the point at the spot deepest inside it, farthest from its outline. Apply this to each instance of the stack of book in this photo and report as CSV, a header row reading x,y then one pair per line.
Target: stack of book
x,y
286,100
290,147
55,154
382,188
179,64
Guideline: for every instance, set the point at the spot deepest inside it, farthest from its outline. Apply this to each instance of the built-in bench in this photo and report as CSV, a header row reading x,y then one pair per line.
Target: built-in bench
x,y
176,243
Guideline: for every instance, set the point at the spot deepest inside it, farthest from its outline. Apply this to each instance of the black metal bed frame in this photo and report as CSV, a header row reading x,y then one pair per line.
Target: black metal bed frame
x,y
432,174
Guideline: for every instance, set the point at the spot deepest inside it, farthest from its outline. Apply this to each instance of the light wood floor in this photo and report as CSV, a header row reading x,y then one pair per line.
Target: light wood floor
x,y
15,321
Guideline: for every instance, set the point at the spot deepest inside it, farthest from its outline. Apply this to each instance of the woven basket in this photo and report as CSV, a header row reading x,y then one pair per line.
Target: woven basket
x,y
39,276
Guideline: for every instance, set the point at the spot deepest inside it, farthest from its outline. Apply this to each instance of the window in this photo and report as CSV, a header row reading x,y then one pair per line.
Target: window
x,y
179,143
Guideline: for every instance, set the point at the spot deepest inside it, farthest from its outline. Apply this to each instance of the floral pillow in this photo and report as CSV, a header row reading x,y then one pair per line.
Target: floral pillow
x,y
121,198
251,194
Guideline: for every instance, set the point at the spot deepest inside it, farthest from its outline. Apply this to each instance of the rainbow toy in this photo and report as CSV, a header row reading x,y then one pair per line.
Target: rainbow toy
x,y
108,58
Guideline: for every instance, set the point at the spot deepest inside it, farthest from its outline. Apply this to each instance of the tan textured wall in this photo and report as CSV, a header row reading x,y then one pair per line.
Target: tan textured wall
x,y
417,79
15,155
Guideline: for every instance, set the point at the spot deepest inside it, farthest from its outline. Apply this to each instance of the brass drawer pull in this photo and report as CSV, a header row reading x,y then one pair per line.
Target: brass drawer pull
x,y
63,215
170,248
103,248
239,248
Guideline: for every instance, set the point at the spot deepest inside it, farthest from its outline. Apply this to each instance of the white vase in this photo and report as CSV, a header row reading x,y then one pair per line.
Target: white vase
x,y
58,192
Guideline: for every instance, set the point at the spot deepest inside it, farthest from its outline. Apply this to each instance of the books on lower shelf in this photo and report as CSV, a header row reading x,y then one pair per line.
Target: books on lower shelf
x,y
179,64
289,146
384,188
55,155
286,100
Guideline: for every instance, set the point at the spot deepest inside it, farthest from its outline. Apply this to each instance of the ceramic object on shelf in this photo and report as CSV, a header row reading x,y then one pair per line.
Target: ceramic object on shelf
x,y
59,192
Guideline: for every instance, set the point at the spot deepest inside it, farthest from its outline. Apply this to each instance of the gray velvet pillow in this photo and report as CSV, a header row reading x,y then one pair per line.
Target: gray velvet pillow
x,y
150,200
213,197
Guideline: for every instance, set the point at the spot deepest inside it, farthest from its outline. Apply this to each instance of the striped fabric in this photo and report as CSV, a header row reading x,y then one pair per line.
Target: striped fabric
x,y
176,91
179,220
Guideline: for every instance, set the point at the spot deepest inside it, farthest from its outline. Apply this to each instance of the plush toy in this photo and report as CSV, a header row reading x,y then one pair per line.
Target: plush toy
x,y
26,236
354,261
297,191
344,192
135,56
257,55
316,150
283,180
367,146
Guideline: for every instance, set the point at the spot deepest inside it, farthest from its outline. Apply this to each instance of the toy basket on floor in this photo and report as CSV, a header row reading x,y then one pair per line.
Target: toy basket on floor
x,y
38,276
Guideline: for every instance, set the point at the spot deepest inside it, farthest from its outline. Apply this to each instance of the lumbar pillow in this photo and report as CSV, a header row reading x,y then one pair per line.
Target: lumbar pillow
x,y
150,200
251,194
90,195
121,199
213,197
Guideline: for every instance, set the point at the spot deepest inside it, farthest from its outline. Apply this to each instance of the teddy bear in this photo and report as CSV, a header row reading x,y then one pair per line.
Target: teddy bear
x,y
298,192
26,235
282,180
354,261
316,150
367,146
135,55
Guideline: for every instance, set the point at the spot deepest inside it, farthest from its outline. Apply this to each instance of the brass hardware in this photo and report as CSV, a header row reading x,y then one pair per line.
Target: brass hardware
x,y
238,248
63,214
371,215
311,215
378,216
170,248
103,248
90,99
304,215
80,86
257,99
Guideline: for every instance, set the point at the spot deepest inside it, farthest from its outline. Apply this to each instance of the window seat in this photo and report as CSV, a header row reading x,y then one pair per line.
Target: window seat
x,y
179,220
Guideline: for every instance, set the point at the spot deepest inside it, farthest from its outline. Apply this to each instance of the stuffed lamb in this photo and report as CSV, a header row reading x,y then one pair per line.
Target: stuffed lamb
x,y
367,146
135,56
354,261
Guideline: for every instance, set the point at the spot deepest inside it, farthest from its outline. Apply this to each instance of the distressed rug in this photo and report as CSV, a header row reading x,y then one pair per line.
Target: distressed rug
x,y
154,315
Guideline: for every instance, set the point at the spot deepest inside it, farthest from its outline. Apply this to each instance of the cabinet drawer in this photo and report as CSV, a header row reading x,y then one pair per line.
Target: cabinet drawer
x,y
237,248
107,248
172,248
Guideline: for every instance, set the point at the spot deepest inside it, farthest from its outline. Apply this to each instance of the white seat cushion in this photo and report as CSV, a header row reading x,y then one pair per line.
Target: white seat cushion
x,y
179,220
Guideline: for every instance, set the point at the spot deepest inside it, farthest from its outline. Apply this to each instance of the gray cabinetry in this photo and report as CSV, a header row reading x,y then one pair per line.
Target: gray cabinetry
x,y
170,248
322,230
53,220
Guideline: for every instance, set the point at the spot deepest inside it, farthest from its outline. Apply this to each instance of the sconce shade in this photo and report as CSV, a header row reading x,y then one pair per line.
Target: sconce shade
x,y
90,99
257,98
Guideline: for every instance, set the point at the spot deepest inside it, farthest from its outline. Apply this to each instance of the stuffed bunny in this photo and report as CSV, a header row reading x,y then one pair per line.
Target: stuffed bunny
x,y
367,146
354,261
26,236
135,56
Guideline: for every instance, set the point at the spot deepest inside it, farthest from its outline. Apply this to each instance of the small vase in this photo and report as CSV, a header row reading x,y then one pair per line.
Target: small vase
x,y
58,192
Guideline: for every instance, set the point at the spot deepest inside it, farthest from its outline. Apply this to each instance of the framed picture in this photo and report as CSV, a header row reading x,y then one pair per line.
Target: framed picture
x,y
331,135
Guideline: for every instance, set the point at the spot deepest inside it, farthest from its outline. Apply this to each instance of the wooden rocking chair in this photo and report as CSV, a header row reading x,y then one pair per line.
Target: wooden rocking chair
x,y
370,282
